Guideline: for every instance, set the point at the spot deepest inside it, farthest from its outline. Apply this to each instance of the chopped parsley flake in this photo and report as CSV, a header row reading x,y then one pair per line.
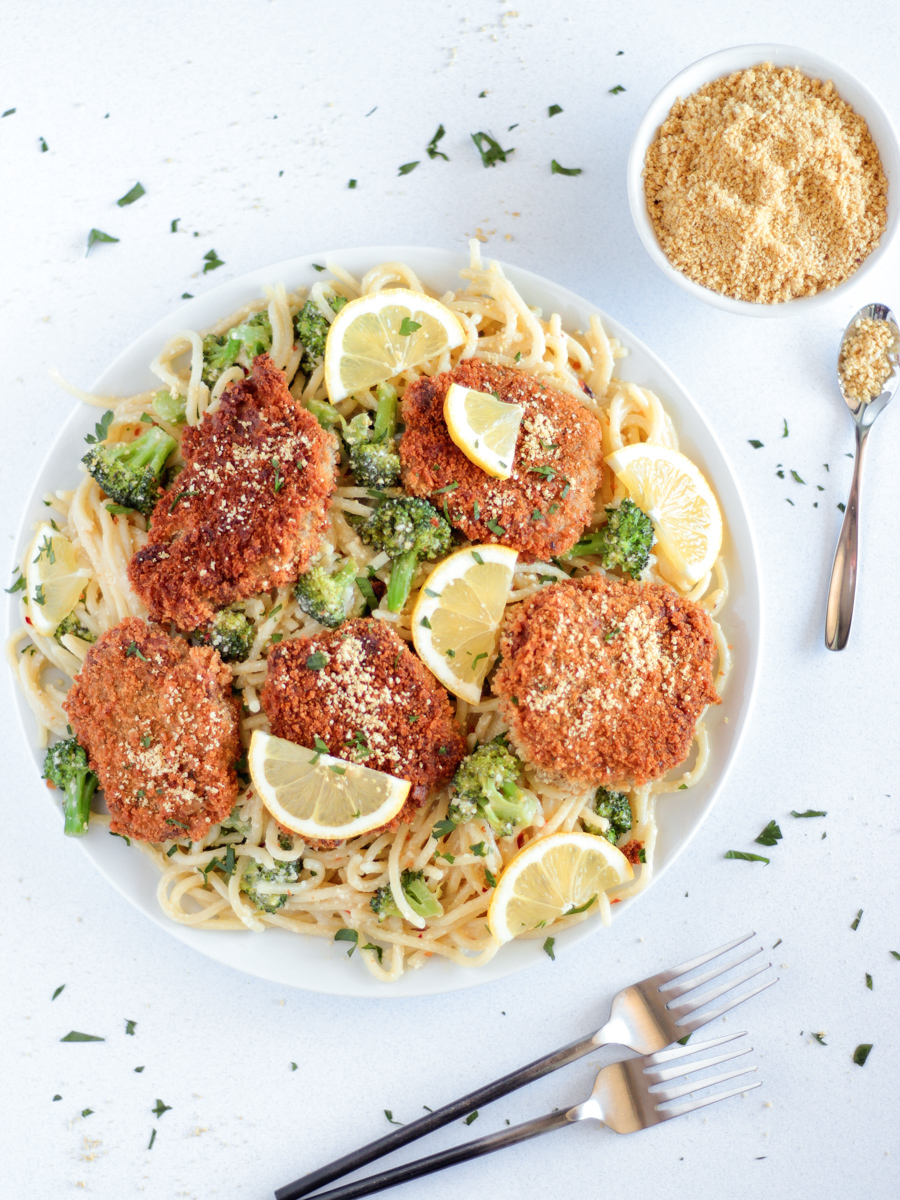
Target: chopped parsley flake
x,y
553,110
755,443
548,947
432,150
316,661
556,169
75,1036
770,836
614,91
861,1053
97,235
133,651
747,857
347,935
856,920
211,262
407,167
57,992
135,194
489,149
409,327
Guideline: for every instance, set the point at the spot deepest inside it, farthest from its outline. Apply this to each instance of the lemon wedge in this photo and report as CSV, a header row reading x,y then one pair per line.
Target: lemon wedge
x,y
320,797
673,493
550,877
456,619
484,428
378,336
53,579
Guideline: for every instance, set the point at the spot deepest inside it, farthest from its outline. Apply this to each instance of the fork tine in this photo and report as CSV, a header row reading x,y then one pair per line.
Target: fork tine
x,y
676,1072
665,1114
673,973
674,990
697,1022
685,1090
682,1051
685,1007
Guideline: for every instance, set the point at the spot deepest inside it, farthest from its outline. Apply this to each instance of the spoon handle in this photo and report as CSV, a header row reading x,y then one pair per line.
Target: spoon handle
x,y
842,589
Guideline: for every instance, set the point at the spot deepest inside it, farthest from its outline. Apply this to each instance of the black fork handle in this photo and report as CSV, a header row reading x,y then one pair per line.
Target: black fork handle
x,y
446,1158
454,1111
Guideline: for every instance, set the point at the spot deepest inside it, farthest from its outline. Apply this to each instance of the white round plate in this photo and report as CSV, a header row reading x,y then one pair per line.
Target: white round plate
x,y
317,964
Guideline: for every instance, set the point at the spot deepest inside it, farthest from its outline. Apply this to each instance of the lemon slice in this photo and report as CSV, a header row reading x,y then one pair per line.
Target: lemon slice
x,y
456,620
673,493
53,579
484,428
368,343
551,876
318,796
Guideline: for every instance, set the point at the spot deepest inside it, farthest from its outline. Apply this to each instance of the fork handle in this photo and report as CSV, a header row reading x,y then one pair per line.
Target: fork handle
x,y
446,1158
454,1111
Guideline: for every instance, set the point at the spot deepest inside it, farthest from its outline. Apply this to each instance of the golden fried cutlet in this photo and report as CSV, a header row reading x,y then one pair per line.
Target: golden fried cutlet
x,y
372,702
542,509
246,512
602,681
160,726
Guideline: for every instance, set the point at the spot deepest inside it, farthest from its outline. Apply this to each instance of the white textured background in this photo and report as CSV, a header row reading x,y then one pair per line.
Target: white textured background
x,y
246,121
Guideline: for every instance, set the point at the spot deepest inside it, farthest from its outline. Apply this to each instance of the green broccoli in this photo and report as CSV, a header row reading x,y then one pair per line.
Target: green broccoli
x,y
325,414
170,408
624,541
241,345
311,328
324,597
614,806
234,823
130,472
256,874
374,460
418,895
408,530
66,766
71,624
230,632
485,786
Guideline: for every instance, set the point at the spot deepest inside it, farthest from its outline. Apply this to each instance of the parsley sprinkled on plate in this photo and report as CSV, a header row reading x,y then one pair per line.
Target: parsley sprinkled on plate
x,y
553,110
490,150
556,169
212,262
432,150
549,943
407,167
135,194
742,854
770,836
97,235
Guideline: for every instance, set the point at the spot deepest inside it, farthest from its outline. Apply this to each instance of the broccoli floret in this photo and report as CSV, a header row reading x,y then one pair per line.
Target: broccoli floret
x,y
418,895
170,408
324,597
233,823
374,460
130,472
408,530
485,786
311,328
241,344
624,541
375,464
66,766
71,624
257,874
230,632
614,806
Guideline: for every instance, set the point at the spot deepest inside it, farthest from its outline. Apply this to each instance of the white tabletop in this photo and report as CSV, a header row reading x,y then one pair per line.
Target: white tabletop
x,y
246,121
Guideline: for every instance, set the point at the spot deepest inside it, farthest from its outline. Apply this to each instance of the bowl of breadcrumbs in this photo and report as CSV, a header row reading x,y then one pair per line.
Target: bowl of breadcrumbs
x,y
759,180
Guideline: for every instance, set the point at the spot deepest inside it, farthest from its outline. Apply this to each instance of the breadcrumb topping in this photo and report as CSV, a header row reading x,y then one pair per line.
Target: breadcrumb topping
x,y
864,366
765,185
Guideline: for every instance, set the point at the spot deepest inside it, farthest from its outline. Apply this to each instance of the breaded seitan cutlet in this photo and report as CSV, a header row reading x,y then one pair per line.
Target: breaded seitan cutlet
x,y
246,513
370,700
602,681
160,725
544,506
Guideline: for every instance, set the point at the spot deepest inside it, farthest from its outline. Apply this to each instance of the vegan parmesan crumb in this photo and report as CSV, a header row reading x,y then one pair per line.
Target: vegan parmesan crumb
x,y
765,185
864,365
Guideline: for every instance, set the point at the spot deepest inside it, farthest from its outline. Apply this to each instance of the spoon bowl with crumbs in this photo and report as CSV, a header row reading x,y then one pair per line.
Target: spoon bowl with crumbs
x,y
868,371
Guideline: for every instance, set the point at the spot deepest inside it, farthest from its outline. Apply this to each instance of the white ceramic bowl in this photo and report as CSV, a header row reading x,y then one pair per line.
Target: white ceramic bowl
x,y
738,58
317,964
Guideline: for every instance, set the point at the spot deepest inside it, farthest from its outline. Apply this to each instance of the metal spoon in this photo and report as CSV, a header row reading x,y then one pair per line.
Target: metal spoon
x,y
842,589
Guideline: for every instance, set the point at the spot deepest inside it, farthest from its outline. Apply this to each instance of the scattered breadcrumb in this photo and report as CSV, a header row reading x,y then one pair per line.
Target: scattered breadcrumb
x,y
864,366
765,185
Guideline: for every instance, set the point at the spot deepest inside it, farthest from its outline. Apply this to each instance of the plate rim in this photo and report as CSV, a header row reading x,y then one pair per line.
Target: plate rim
x,y
435,979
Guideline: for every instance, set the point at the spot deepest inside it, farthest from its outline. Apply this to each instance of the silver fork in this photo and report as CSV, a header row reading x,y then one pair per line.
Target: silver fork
x,y
644,1017
622,1098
